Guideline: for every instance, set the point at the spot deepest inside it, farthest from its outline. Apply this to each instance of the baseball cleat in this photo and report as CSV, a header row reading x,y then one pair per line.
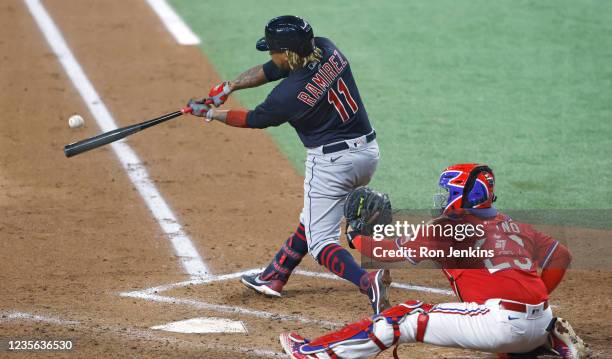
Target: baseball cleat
x,y
291,343
565,342
378,291
269,288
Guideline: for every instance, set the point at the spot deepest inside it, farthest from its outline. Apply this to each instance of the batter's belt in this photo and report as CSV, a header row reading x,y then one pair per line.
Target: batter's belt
x,y
341,146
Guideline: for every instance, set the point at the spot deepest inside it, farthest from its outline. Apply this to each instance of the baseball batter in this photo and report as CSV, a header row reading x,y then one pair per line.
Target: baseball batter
x,y
503,305
317,95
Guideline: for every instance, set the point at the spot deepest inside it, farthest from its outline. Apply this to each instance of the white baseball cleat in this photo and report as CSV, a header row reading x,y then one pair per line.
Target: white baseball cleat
x,y
565,342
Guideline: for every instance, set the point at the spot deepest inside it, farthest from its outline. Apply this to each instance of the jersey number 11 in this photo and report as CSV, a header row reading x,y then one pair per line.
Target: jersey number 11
x,y
334,99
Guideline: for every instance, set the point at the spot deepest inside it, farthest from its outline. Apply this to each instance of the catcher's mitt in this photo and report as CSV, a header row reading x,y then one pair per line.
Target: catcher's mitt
x,y
364,208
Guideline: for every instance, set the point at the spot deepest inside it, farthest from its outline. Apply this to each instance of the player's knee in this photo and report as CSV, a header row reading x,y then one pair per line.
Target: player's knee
x,y
383,330
323,253
316,254
412,317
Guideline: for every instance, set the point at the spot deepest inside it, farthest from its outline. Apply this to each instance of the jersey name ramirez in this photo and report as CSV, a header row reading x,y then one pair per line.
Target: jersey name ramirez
x,y
326,75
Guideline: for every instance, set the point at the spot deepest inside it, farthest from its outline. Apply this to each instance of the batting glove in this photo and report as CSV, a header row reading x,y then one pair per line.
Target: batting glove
x,y
198,107
219,93
210,115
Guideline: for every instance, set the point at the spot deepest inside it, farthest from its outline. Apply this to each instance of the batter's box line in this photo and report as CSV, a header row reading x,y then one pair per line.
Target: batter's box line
x,y
153,294
232,309
224,277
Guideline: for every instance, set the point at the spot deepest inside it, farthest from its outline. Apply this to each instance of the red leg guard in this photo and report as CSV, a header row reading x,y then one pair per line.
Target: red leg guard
x,y
366,326
377,341
343,334
331,353
421,326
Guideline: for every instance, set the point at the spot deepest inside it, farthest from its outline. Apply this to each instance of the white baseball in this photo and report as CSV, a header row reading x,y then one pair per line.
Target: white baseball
x,y
76,121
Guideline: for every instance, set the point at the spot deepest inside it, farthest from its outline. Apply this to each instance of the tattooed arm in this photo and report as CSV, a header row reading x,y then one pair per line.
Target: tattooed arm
x,y
252,77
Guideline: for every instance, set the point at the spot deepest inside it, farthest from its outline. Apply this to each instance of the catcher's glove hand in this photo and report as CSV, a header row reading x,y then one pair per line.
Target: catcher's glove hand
x,y
364,208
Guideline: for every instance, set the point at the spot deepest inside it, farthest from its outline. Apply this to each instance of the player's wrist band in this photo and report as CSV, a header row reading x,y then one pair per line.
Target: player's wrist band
x,y
237,118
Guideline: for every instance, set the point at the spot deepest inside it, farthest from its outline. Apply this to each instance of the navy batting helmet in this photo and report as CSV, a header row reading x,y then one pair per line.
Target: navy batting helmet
x,y
287,32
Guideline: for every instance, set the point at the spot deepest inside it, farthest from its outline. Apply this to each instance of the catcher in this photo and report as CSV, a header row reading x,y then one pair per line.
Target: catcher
x,y
503,301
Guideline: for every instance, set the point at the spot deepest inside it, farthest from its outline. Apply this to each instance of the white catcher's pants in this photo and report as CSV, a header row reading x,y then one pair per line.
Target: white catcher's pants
x,y
327,181
462,325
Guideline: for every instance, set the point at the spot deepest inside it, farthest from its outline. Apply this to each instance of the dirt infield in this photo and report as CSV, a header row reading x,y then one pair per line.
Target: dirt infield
x,y
75,233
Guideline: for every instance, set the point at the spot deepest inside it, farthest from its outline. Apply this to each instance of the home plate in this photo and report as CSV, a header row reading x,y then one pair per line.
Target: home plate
x,y
204,325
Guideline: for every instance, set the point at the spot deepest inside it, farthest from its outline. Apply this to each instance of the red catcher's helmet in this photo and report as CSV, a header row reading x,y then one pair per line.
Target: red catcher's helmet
x,y
463,186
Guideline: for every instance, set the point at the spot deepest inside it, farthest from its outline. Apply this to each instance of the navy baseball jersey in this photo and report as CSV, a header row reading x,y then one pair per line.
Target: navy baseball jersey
x,y
321,101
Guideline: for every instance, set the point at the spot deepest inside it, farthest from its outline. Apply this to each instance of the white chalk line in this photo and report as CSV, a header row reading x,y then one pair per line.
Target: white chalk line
x,y
183,246
14,315
173,23
196,281
153,294
230,276
232,309
136,333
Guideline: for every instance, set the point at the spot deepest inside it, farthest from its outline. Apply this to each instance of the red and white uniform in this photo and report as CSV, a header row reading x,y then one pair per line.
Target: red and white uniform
x,y
503,300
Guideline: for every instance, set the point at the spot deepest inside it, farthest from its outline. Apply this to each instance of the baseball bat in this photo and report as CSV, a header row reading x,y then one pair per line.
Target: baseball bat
x,y
105,138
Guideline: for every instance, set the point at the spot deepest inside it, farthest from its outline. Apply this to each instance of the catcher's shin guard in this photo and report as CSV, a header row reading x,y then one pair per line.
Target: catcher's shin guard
x,y
366,337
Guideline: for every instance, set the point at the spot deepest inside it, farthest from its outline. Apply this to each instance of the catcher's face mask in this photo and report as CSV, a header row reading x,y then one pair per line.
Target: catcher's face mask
x,y
440,200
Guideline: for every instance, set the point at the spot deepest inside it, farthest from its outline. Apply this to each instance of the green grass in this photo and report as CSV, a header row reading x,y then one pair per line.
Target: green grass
x,y
524,86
